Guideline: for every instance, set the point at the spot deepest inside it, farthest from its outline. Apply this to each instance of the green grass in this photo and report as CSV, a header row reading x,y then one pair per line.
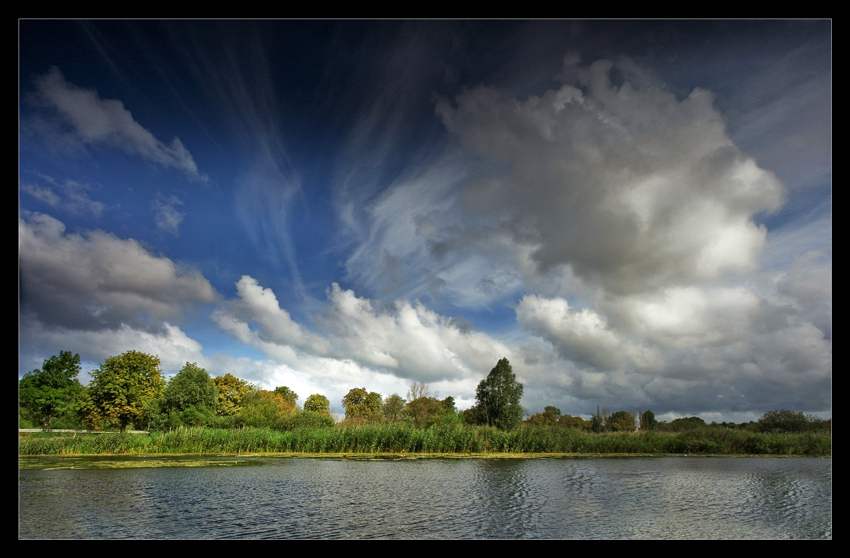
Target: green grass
x,y
439,439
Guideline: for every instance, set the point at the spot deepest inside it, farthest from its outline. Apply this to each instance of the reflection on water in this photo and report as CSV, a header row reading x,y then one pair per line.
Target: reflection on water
x,y
266,497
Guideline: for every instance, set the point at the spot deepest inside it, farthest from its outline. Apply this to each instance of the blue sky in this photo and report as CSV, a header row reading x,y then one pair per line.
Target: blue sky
x,y
637,214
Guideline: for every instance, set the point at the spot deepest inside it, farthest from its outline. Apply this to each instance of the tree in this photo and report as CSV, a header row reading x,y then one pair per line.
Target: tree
x,y
265,409
647,420
124,384
190,399
231,392
622,421
52,391
362,405
498,397
393,408
421,409
600,421
287,394
549,417
554,410
569,421
782,420
417,390
317,403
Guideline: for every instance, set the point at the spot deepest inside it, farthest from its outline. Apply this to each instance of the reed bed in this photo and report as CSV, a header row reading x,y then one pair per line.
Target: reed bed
x,y
439,439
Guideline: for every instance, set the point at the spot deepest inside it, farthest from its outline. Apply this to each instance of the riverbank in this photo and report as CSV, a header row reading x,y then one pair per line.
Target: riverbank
x,y
400,440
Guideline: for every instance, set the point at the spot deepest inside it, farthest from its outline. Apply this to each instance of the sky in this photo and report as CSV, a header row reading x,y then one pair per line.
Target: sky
x,y
636,214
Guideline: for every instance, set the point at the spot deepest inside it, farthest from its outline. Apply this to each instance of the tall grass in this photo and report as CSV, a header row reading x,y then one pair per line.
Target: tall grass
x,y
439,439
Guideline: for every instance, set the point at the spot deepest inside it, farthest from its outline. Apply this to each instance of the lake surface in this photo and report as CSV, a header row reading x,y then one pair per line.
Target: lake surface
x,y
327,498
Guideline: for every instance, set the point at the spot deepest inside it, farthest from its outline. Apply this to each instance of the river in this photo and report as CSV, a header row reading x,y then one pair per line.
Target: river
x,y
434,498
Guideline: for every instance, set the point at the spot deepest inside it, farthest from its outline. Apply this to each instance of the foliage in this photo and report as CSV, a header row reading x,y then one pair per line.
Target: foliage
x,y
287,394
361,405
189,399
123,385
622,421
231,392
782,420
318,403
681,425
497,398
546,418
647,420
305,419
569,421
454,438
53,391
600,421
393,408
420,410
264,409
554,410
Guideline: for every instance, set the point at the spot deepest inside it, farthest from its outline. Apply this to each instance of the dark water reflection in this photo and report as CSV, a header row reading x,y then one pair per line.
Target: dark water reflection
x,y
617,498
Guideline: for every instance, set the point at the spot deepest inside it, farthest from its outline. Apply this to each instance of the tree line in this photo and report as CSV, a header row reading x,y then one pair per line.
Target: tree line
x,y
130,390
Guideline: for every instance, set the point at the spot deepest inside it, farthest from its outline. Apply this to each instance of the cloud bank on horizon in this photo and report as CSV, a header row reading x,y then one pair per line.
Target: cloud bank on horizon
x,y
369,204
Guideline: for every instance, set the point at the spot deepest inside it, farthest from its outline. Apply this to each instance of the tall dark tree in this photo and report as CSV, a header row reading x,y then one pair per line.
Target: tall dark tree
x,y
498,398
648,420
52,391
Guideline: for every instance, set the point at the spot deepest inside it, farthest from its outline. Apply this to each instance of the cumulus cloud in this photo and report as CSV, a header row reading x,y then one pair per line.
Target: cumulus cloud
x,y
632,203
94,121
402,339
582,336
95,280
171,344
629,185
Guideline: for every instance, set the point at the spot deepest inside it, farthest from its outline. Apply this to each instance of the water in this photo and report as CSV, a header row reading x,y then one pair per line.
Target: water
x,y
267,497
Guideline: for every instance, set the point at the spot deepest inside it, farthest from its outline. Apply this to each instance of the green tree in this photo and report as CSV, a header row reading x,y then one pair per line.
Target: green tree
x,y
265,409
782,420
549,417
189,399
361,405
647,420
554,410
318,403
287,394
231,392
569,421
622,421
420,410
123,385
52,391
498,397
393,408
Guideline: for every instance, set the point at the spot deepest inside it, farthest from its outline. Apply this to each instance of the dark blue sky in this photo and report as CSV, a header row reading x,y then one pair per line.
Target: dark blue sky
x,y
636,213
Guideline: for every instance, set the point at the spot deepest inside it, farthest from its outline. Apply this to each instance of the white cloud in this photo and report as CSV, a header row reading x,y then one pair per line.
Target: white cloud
x,y
105,121
582,336
94,280
69,196
172,345
168,217
402,340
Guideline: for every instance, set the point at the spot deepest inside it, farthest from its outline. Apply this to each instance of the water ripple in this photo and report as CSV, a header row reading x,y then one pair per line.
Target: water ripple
x,y
636,498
